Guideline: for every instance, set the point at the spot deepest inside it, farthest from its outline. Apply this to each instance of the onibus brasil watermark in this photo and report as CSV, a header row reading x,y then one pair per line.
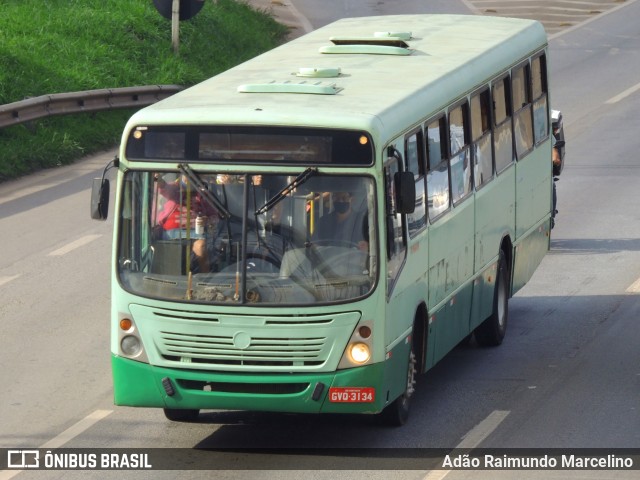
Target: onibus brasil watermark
x,y
423,459
23,459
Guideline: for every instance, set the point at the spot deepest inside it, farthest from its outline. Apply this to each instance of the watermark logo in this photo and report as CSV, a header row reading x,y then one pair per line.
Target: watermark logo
x,y
23,459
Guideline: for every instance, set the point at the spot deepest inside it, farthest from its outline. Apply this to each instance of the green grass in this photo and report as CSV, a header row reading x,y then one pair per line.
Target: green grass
x,y
54,46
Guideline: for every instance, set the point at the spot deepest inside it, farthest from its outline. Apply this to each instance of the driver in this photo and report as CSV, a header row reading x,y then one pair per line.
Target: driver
x,y
342,224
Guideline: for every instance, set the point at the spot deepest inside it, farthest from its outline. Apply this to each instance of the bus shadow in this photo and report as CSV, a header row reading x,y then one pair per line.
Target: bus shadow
x,y
266,430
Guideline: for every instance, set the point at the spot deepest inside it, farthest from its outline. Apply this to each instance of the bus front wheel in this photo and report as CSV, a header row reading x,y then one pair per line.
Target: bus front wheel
x,y
491,332
397,413
181,415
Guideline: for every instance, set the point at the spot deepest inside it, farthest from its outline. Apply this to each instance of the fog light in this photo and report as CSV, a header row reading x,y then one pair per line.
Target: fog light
x,y
130,345
359,352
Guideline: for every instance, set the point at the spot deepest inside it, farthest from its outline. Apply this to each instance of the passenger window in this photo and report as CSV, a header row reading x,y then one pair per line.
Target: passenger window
x,y
459,132
481,138
413,153
458,128
416,163
502,138
520,87
540,105
438,173
501,103
522,119
436,142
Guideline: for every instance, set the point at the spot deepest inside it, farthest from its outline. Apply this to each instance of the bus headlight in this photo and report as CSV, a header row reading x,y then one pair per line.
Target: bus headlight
x,y
130,345
127,341
359,352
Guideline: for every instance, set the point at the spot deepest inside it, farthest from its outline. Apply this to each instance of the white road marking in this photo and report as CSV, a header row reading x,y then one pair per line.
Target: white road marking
x,y
624,94
472,439
594,18
634,287
4,280
75,430
73,245
66,436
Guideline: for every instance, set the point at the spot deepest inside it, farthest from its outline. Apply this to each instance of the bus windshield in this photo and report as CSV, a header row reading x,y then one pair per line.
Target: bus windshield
x,y
247,238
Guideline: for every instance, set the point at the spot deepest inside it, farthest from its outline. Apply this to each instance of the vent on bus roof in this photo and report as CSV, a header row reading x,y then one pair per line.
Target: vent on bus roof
x,y
386,41
381,43
318,72
364,50
316,88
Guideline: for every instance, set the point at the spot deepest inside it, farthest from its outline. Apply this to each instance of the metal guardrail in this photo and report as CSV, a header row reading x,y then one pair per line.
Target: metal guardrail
x,y
87,101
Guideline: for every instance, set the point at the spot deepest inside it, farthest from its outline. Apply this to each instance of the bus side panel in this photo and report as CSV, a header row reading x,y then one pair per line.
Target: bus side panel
x,y
495,217
451,264
529,251
533,189
451,321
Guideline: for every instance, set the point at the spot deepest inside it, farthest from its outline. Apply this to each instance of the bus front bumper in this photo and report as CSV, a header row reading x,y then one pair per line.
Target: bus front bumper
x,y
355,390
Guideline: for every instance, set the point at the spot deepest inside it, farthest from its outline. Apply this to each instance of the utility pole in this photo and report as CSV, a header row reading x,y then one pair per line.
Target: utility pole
x,y
177,11
175,26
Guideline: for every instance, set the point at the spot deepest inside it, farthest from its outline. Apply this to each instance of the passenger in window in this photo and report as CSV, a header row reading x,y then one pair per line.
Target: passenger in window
x,y
343,224
172,219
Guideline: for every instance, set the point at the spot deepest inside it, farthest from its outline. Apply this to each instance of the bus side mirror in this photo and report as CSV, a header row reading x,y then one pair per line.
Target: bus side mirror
x,y
100,199
405,189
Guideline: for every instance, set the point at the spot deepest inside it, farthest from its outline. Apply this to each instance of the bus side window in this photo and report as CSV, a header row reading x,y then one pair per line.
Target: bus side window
x,y
522,117
481,137
540,108
396,240
438,168
416,162
502,138
459,133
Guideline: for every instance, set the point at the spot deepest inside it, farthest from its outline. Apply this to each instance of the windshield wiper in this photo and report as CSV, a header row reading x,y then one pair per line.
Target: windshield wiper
x,y
299,180
210,198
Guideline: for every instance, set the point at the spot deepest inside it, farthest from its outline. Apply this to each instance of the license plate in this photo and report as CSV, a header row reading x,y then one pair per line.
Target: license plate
x,y
352,394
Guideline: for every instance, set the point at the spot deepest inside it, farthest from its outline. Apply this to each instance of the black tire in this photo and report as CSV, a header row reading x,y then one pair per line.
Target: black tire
x,y
179,415
491,332
397,413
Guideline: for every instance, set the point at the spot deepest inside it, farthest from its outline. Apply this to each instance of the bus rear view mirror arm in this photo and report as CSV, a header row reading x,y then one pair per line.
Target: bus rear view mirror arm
x,y
100,193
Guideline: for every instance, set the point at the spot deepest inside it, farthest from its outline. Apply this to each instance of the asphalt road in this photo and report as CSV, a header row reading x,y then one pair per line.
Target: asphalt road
x,y
567,375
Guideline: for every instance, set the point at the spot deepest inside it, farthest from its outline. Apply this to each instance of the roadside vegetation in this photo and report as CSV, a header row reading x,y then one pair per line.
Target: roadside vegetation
x,y
55,46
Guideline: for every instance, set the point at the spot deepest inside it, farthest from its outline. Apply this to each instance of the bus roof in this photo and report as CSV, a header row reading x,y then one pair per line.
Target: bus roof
x,y
385,88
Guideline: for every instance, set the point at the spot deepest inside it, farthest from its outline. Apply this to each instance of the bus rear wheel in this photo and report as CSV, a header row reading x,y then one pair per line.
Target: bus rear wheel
x,y
491,332
181,415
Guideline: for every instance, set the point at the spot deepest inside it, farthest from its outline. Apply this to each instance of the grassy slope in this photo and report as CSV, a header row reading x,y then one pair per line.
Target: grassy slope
x,y
51,46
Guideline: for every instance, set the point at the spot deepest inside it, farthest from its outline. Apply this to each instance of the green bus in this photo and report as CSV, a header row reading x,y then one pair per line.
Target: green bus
x,y
310,230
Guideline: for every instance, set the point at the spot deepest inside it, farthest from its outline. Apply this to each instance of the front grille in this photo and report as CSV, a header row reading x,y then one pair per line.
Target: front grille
x,y
202,339
220,349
